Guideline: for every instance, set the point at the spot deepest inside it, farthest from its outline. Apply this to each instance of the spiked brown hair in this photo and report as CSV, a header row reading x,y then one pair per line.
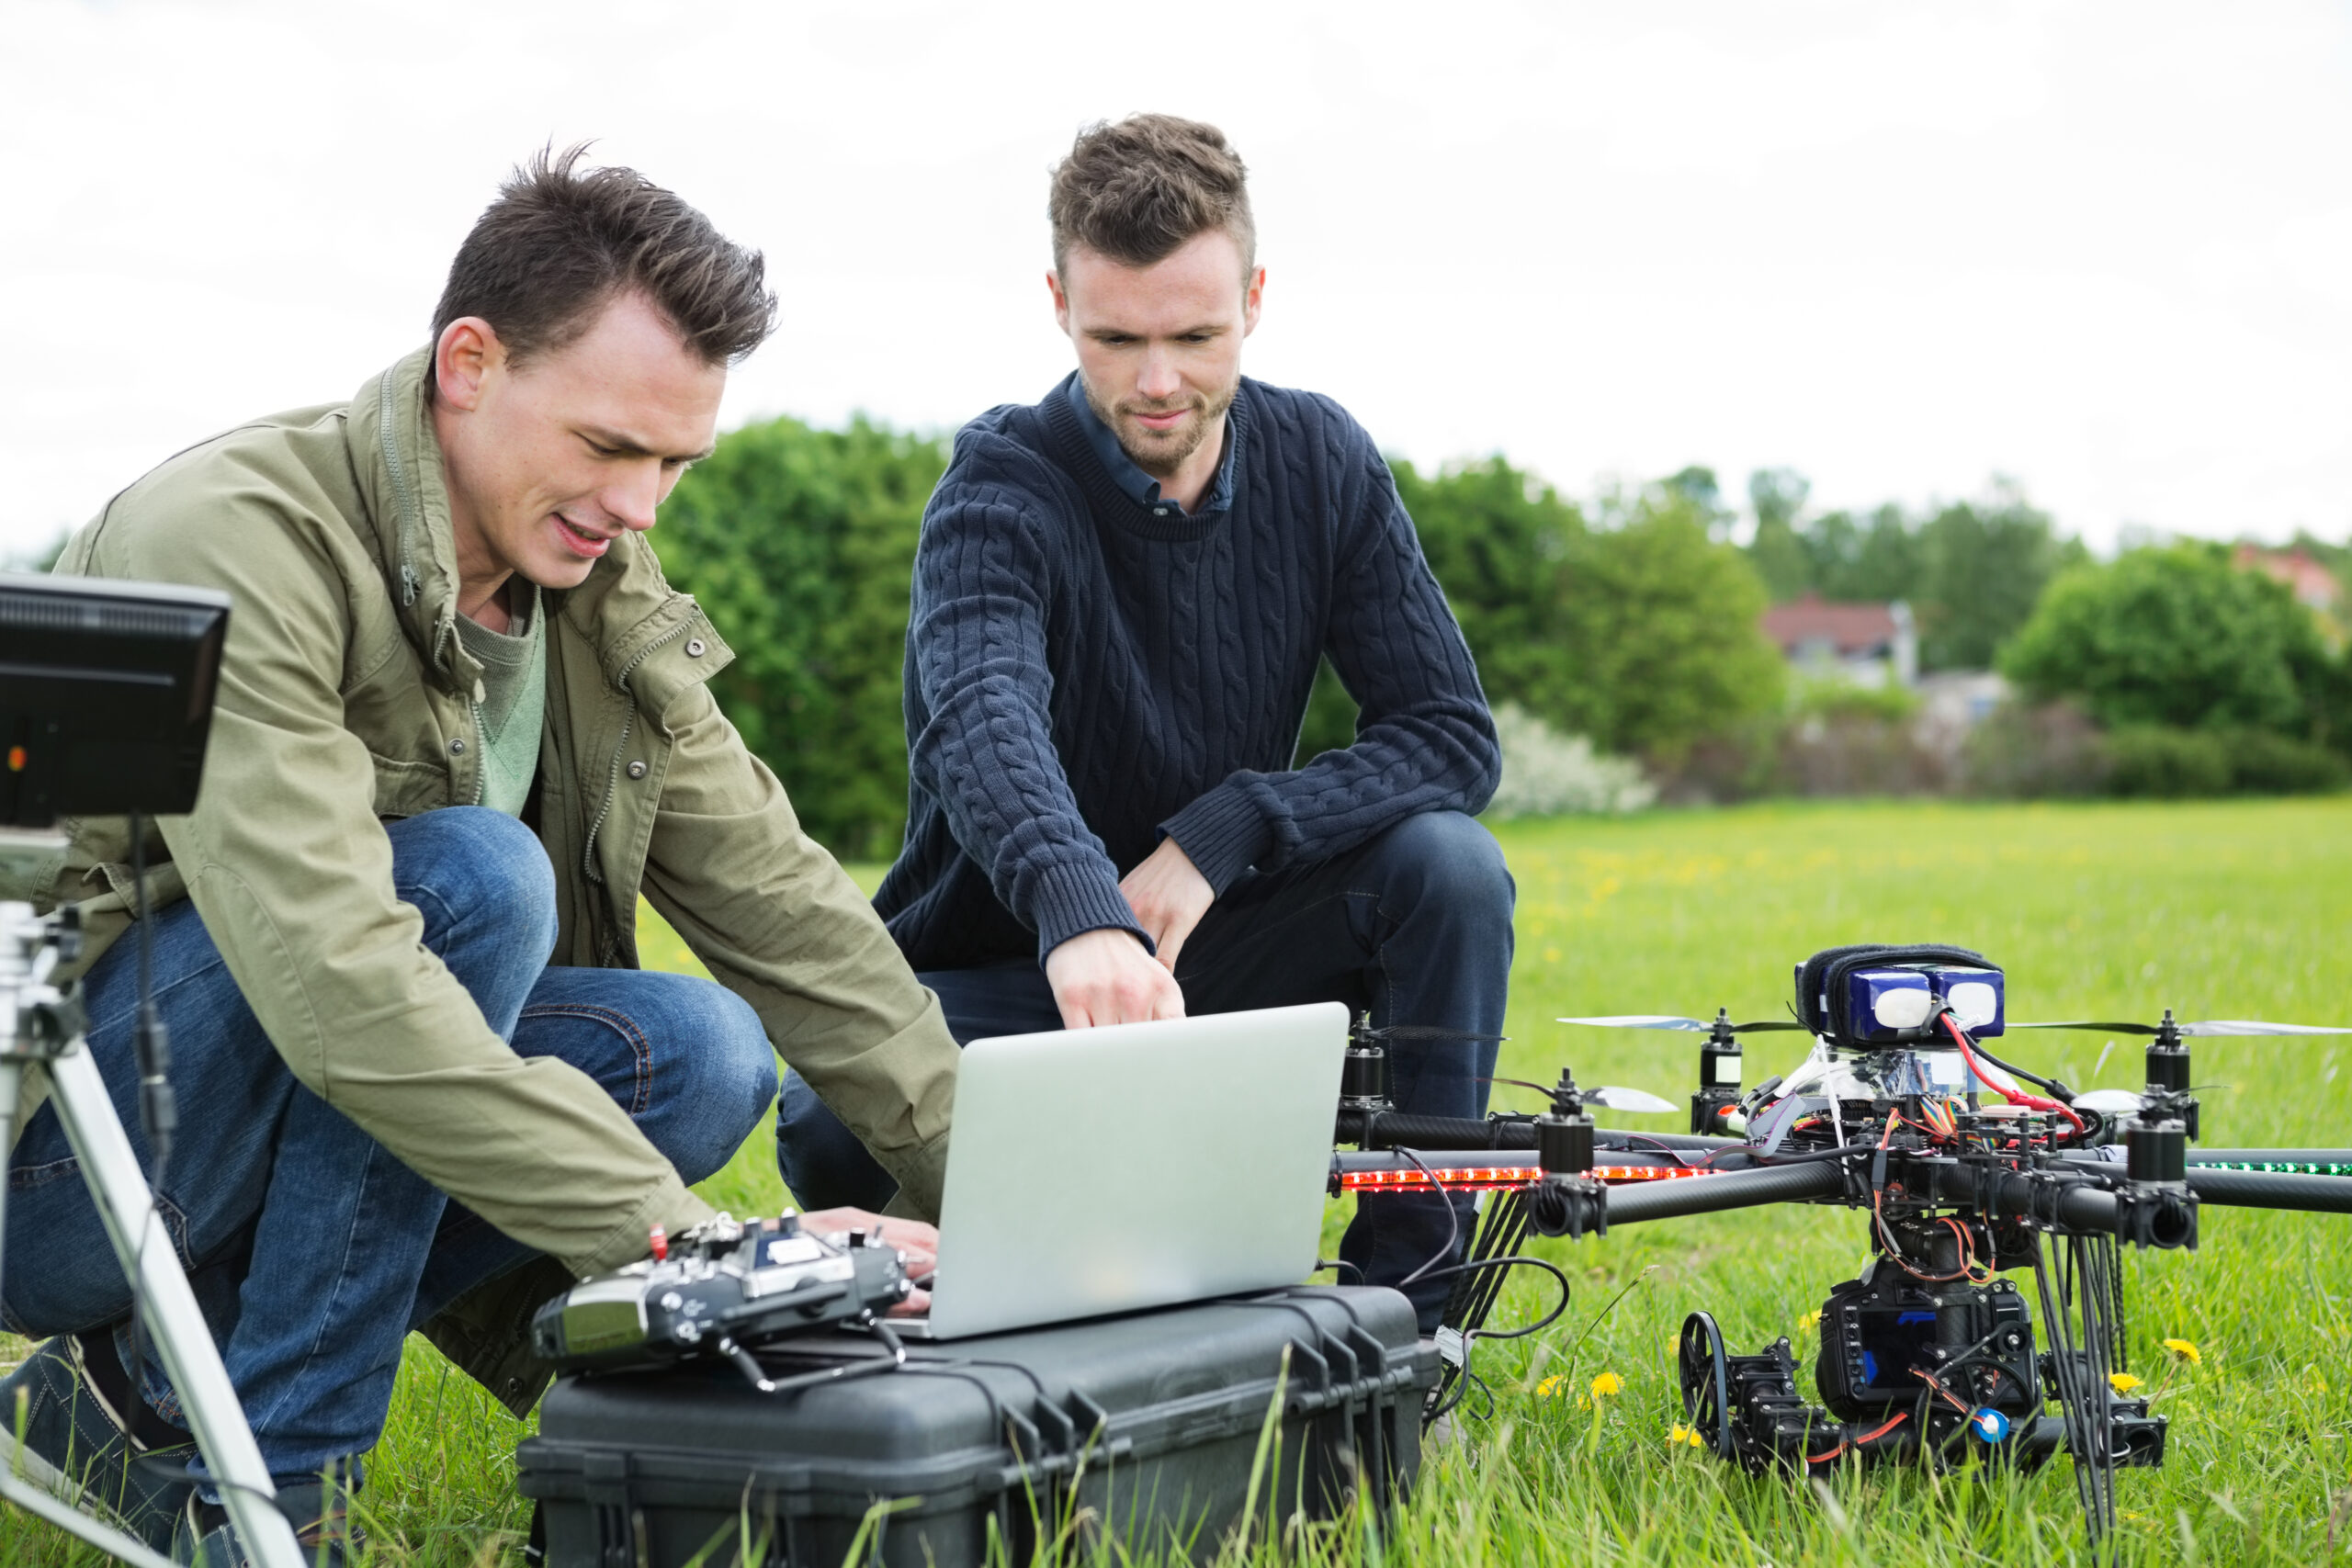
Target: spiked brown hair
x,y
1136,191
562,241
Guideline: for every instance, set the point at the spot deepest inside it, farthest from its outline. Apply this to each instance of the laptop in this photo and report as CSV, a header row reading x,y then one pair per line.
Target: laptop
x,y
1138,1164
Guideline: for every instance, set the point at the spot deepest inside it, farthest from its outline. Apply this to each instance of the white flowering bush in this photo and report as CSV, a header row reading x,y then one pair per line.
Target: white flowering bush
x,y
1547,774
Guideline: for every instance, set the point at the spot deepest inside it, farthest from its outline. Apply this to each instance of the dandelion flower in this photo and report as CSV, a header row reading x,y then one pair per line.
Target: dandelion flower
x,y
1680,1434
2124,1382
2186,1351
1607,1383
1811,1319
1551,1387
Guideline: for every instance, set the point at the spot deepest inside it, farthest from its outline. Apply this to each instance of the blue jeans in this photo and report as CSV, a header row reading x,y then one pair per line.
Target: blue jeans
x,y
1414,925
313,1251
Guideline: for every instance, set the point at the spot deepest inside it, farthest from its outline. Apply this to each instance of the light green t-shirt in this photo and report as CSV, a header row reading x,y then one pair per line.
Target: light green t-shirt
x,y
514,698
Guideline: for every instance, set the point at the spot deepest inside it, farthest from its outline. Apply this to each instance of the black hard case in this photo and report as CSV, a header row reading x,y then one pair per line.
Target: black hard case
x,y
1143,1429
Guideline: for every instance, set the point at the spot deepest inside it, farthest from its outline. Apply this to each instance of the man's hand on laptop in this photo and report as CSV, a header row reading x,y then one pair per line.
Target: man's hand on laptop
x,y
1169,896
1105,977
918,1243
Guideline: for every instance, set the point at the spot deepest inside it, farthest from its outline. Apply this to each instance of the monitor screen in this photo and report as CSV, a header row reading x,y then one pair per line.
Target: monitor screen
x,y
105,695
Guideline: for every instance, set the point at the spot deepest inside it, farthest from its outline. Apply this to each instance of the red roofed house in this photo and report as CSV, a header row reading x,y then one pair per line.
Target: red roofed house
x,y
2314,586
1870,645
2311,582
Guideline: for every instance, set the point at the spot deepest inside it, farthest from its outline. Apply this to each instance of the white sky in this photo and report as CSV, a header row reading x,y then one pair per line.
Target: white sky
x,y
2106,249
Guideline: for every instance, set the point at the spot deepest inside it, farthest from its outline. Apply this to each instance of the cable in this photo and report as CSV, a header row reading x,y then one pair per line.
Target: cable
x,y
2078,1382
1452,1221
1513,1262
1469,1377
1480,1284
1840,1152
2013,1094
1470,1338
1900,1417
1969,1267
1502,1228
2058,1089
1677,1155
1323,1263
151,1054
1930,1378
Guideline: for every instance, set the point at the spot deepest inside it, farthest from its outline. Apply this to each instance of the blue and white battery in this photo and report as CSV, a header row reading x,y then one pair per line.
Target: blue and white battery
x,y
1884,1004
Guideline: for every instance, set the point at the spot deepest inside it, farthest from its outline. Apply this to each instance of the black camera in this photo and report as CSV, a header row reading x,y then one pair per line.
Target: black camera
x,y
721,1289
1888,1340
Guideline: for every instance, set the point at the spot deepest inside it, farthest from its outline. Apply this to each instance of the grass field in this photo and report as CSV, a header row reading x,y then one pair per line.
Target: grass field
x,y
2239,910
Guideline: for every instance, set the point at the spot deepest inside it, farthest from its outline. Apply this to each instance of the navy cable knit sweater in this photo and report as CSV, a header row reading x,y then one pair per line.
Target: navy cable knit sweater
x,y
1083,677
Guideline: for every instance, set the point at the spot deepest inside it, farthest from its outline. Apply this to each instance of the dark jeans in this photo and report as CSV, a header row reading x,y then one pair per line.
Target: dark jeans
x,y
1414,925
312,1250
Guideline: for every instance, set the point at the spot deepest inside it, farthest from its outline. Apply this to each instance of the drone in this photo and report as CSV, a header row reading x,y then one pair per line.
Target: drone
x,y
1968,1166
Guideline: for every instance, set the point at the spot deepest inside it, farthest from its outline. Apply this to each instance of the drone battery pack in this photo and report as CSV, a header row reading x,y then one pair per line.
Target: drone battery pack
x,y
1145,1429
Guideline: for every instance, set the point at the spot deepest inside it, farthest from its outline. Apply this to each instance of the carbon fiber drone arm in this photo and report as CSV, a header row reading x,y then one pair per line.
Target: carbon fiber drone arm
x,y
2074,1205
1391,1129
1737,1190
2265,1189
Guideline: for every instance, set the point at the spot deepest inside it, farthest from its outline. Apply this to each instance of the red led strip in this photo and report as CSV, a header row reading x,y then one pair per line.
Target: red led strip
x,y
1485,1178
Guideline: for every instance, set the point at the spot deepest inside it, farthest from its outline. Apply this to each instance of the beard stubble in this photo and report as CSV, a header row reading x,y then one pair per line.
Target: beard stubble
x,y
1162,461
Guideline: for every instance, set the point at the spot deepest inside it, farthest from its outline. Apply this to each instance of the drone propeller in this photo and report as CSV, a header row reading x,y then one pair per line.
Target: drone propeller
x,y
1610,1095
1640,1100
1663,1020
2225,1027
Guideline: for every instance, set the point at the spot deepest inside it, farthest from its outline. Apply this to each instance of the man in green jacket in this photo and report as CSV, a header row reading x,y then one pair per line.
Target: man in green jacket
x,y
463,725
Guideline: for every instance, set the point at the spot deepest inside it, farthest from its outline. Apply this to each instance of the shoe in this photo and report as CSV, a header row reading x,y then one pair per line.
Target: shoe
x,y
78,1447
206,1537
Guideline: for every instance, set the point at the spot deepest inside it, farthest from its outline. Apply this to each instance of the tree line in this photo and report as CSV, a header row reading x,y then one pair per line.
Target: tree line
x,y
1971,571
1629,617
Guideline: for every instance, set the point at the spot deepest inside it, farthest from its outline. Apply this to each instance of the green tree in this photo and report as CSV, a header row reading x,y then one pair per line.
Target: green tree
x,y
1330,722
1867,558
1778,554
2173,635
1697,486
1640,633
800,543
1500,542
1663,630
1982,568
1972,571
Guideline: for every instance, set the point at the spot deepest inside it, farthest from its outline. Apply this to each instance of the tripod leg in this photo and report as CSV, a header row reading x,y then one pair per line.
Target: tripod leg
x,y
127,1208
12,1487
74,1522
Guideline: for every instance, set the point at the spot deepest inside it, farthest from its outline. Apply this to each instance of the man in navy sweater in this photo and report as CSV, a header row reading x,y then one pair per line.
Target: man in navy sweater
x,y
1121,597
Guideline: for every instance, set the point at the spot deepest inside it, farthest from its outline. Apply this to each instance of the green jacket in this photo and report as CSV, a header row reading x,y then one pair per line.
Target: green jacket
x,y
346,698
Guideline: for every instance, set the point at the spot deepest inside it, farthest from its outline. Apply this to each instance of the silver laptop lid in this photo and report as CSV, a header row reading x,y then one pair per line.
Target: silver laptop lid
x,y
1137,1165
